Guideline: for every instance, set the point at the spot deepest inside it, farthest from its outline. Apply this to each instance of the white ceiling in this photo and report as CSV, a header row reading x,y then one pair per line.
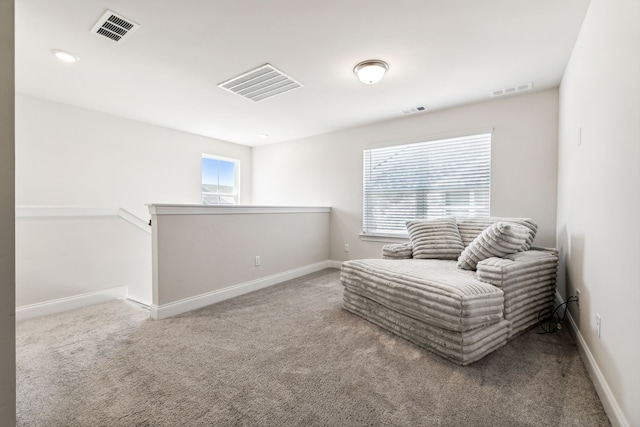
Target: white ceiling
x,y
441,53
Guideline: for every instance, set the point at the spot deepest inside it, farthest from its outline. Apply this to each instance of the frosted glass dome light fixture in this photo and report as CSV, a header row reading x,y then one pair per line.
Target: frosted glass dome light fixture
x,y
371,71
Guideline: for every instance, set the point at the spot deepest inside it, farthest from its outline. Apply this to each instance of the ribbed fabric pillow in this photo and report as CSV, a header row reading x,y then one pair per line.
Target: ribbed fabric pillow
x,y
498,240
397,251
471,227
435,238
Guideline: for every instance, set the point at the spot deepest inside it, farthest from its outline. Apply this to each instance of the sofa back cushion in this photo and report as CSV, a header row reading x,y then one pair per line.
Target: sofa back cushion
x,y
471,227
498,240
435,238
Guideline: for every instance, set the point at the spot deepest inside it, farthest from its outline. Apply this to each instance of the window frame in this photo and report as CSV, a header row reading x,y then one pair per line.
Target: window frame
x,y
369,226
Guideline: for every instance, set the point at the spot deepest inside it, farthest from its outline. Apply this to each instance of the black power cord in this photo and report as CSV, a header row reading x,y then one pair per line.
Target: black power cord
x,y
553,322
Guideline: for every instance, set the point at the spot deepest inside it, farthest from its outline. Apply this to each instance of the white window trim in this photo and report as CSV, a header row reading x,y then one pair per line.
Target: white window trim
x,y
429,137
383,238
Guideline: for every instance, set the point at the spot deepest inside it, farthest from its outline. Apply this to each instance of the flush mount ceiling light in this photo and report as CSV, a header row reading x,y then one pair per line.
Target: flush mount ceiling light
x,y
64,56
371,71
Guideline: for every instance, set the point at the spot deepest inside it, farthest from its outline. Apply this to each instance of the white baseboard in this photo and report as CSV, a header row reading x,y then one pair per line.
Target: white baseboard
x,y
69,303
335,264
182,306
611,407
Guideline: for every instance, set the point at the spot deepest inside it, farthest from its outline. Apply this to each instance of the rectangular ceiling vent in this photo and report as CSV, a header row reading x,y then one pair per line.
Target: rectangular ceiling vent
x,y
414,110
114,27
261,83
510,90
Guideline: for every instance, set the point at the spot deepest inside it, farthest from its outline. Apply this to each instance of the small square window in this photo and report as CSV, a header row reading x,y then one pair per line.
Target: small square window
x,y
220,180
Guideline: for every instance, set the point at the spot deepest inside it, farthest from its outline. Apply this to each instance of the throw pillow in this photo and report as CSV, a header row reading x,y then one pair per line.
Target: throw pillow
x,y
498,240
471,227
435,238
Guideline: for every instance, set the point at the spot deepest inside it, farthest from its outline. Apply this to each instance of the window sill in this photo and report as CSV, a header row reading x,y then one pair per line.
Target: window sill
x,y
383,238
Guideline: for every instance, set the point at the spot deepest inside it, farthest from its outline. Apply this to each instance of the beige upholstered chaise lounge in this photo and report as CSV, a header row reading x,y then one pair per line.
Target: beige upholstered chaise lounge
x,y
462,287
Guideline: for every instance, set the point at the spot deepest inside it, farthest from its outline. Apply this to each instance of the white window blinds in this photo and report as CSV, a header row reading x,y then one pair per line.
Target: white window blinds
x,y
425,180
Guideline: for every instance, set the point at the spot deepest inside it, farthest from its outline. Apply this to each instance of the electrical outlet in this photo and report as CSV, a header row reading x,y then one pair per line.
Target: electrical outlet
x,y
578,297
598,324
346,247
257,260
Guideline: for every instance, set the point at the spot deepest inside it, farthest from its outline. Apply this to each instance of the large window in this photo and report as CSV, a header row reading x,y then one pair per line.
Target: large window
x,y
425,180
220,182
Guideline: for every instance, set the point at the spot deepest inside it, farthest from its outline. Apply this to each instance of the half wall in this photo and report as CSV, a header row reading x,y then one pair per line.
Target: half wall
x,y
205,254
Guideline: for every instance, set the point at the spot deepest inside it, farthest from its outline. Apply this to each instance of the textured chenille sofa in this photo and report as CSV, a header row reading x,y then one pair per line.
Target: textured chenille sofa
x,y
461,287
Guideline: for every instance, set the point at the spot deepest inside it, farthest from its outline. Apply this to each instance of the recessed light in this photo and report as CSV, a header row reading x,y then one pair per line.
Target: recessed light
x,y
263,136
65,56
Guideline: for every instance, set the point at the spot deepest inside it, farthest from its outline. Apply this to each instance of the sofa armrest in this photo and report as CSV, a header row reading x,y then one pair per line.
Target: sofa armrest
x,y
528,281
540,248
519,269
397,251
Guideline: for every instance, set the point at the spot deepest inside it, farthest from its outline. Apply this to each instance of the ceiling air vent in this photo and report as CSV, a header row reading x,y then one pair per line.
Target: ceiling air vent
x,y
261,83
114,27
414,110
510,90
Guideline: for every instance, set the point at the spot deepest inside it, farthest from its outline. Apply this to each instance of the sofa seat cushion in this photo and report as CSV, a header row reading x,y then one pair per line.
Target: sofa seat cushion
x,y
433,291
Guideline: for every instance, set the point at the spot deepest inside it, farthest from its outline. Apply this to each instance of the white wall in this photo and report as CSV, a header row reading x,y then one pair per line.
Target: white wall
x,y
598,227
73,157
7,236
81,254
68,156
327,169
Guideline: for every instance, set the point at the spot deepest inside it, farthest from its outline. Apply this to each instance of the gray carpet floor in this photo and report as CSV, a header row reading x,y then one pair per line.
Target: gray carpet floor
x,y
288,355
